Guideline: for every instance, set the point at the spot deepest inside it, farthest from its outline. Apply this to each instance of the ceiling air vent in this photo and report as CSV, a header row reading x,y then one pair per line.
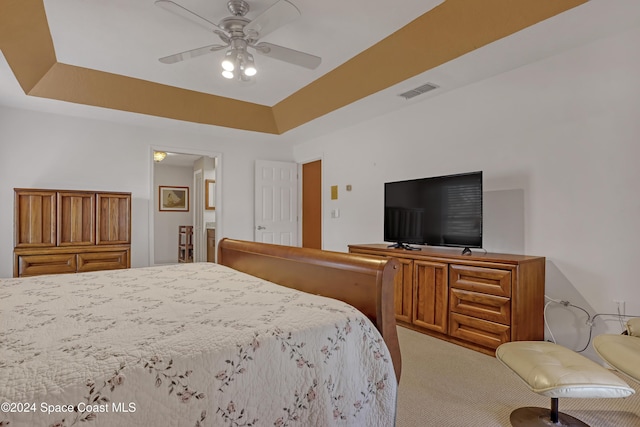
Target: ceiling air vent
x,y
418,91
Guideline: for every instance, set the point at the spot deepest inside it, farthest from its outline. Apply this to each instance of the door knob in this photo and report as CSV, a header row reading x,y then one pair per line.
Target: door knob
x,y
260,227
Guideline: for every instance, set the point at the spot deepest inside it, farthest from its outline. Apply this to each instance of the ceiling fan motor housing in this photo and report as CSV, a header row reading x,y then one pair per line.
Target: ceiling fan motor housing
x,y
234,25
238,7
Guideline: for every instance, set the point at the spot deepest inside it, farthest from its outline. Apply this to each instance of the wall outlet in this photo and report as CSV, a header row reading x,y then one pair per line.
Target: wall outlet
x,y
620,309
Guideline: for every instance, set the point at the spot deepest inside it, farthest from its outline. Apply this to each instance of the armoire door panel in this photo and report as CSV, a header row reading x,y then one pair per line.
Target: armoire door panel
x,y
113,219
35,218
76,219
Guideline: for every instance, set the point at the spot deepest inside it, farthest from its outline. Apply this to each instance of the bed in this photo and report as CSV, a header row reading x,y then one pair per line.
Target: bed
x,y
269,336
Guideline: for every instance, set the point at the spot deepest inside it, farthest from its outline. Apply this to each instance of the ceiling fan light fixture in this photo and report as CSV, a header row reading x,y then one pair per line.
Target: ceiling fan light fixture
x,y
238,63
249,67
229,61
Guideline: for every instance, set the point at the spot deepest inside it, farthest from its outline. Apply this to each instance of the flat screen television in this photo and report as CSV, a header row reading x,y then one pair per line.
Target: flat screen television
x,y
436,211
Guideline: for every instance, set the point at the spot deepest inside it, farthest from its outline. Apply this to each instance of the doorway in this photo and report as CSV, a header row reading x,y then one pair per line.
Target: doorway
x,y
288,203
182,168
312,205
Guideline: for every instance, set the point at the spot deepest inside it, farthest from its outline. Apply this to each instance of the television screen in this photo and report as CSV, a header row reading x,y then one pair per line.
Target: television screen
x,y
437,211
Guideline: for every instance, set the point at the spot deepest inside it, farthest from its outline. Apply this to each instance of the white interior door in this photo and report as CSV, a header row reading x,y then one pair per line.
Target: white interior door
x,y
276,203
199,238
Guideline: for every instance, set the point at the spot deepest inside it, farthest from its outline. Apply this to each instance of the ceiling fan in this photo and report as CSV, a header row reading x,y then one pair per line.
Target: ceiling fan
x,y
239,34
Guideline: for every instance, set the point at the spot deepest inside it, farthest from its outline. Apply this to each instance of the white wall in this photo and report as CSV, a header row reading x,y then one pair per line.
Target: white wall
x,y
41,150
559,144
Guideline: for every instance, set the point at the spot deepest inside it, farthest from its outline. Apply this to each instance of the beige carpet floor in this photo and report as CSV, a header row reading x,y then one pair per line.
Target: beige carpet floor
x,y
443,384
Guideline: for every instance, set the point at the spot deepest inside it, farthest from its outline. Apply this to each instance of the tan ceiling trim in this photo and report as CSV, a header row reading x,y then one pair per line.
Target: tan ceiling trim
x,y
26,43
86,86
25,40
450,30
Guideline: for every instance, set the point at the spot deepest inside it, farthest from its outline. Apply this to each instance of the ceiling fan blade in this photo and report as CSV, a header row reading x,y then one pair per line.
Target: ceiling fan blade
x,y
279,14
288,55
176,9
172,59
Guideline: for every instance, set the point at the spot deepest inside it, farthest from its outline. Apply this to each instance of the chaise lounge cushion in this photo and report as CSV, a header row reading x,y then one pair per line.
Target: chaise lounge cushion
x,y
622,352
633,327
556,372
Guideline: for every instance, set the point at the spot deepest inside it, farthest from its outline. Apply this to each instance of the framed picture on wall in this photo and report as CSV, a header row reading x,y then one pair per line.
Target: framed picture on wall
x,y
173,198
210,194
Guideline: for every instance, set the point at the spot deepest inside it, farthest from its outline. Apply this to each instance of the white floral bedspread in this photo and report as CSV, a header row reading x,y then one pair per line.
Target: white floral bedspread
x,y
186,345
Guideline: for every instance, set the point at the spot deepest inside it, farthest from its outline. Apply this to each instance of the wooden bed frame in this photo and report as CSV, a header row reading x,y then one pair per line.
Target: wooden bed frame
x,y
365,282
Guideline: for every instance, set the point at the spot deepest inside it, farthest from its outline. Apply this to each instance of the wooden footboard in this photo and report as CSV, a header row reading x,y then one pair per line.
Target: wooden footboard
x,y
361,281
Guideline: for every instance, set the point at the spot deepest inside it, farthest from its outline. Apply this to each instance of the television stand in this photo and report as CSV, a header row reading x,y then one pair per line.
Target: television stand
x,y
478,301
404,246
466,251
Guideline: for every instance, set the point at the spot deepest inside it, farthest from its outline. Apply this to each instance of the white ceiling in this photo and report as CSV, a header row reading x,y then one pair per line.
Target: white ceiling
x,y
127,37
179,160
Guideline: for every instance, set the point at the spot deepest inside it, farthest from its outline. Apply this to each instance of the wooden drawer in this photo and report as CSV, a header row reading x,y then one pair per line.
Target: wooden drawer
x,y
108,260
484,306
480,279
478,331
34,265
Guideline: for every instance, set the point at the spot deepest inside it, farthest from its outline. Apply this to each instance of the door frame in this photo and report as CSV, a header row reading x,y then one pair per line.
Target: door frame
x,y
199,233
152,190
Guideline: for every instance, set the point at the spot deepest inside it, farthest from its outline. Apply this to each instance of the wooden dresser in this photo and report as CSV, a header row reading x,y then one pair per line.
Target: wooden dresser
x,y
66,231
478,301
